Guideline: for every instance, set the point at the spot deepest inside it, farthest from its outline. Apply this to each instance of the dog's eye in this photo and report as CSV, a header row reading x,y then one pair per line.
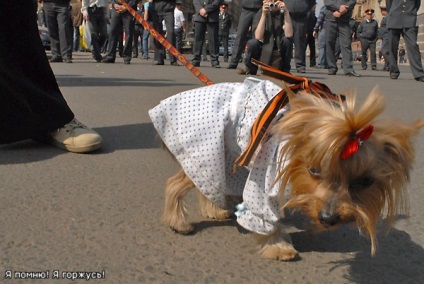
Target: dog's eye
x,y
314,172
362,182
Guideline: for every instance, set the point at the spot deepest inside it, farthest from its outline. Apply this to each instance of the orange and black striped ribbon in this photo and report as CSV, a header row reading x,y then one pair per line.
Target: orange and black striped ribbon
x,y
263,121
168,46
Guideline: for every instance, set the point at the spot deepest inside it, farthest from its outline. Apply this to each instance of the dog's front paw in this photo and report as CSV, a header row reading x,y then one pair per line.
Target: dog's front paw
x,y
281,251
277,246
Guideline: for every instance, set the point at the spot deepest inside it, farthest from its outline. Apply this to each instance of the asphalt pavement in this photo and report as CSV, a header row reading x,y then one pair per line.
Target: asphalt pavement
x,y
63,213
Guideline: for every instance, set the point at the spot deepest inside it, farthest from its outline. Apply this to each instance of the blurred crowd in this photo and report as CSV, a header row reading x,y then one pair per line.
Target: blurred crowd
x,y
274,32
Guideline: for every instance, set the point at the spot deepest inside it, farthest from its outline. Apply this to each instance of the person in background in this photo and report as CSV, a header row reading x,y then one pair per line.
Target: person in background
x,y
337,18
272,30
249,8
179,25
58,15
163,11
310,38
138,32
319,32
77,19
146,35
368,34
94,12
383,34
121,20
402,21
41,16
32,105
206,20
299,13
225,21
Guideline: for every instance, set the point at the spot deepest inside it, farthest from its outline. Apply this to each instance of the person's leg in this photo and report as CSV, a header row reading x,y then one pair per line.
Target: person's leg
x,y
115,29
63,20
286,54
345,35
146,35
213,29
199,40
52,26
331,35
413,51
254,49
394,37
299,40
32,103
128,26
93,24
373,55
364,53
245,22
170,35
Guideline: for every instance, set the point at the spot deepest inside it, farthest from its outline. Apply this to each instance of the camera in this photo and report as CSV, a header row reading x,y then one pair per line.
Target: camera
x,y
271,4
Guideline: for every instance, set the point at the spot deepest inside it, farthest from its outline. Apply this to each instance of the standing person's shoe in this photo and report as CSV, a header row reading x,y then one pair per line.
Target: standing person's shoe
x,y
56,59
108,60
175,63
394,76
195,63
75,137
420,79
127,62
353,74
68,60
216,65
232,66
158,62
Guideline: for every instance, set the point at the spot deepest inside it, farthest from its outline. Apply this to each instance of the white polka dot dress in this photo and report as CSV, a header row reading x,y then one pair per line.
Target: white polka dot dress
x,y
207,128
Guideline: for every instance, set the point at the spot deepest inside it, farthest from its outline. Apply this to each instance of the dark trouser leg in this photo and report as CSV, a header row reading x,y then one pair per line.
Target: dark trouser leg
x,y
52,25
394,37
31,102
128,25
331,34
115,30
254,49
63,19
213,42
286,54
245,21
199,40
413,51
157,25
345,35
299,40
170,34
364,54
373,55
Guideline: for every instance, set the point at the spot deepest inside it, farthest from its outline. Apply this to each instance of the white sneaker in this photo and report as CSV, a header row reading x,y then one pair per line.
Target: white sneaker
x,y
76,137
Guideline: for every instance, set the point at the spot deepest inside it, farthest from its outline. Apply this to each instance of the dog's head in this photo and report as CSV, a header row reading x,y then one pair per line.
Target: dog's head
x,y
345,164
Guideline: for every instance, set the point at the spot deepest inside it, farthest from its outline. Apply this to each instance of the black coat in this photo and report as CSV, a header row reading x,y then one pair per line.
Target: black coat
x,y
402,14
211,7
224,24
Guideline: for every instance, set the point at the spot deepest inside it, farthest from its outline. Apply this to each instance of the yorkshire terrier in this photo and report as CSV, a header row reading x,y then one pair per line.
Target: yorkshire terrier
x,y
339,163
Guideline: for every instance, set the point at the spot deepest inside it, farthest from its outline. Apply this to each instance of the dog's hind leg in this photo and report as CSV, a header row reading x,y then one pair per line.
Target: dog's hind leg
x,y
175,213
277,246
210,210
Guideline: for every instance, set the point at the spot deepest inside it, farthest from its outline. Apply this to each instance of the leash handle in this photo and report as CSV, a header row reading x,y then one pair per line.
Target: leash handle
x,y
168,46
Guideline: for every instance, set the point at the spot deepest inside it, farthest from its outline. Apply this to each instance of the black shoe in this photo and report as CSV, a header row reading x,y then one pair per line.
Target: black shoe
x,y
158,62
353,74
232,66
301,71
332,72
98,58
420,79
394,76
174,64
68,60
56,59
108,60
216,66
195,64
127,62
374,68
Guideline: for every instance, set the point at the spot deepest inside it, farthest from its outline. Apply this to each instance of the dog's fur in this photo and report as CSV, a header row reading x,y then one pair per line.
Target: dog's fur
x,y
329,190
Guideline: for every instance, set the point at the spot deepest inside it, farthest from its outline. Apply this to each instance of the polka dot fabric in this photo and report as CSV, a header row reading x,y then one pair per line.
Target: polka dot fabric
x,y
207,128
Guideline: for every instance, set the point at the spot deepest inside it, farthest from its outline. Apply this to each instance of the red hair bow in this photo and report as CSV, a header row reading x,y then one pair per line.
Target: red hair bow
x,y
352,145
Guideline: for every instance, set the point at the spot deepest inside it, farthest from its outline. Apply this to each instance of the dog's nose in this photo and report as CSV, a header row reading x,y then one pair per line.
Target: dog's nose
x,y
327,218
